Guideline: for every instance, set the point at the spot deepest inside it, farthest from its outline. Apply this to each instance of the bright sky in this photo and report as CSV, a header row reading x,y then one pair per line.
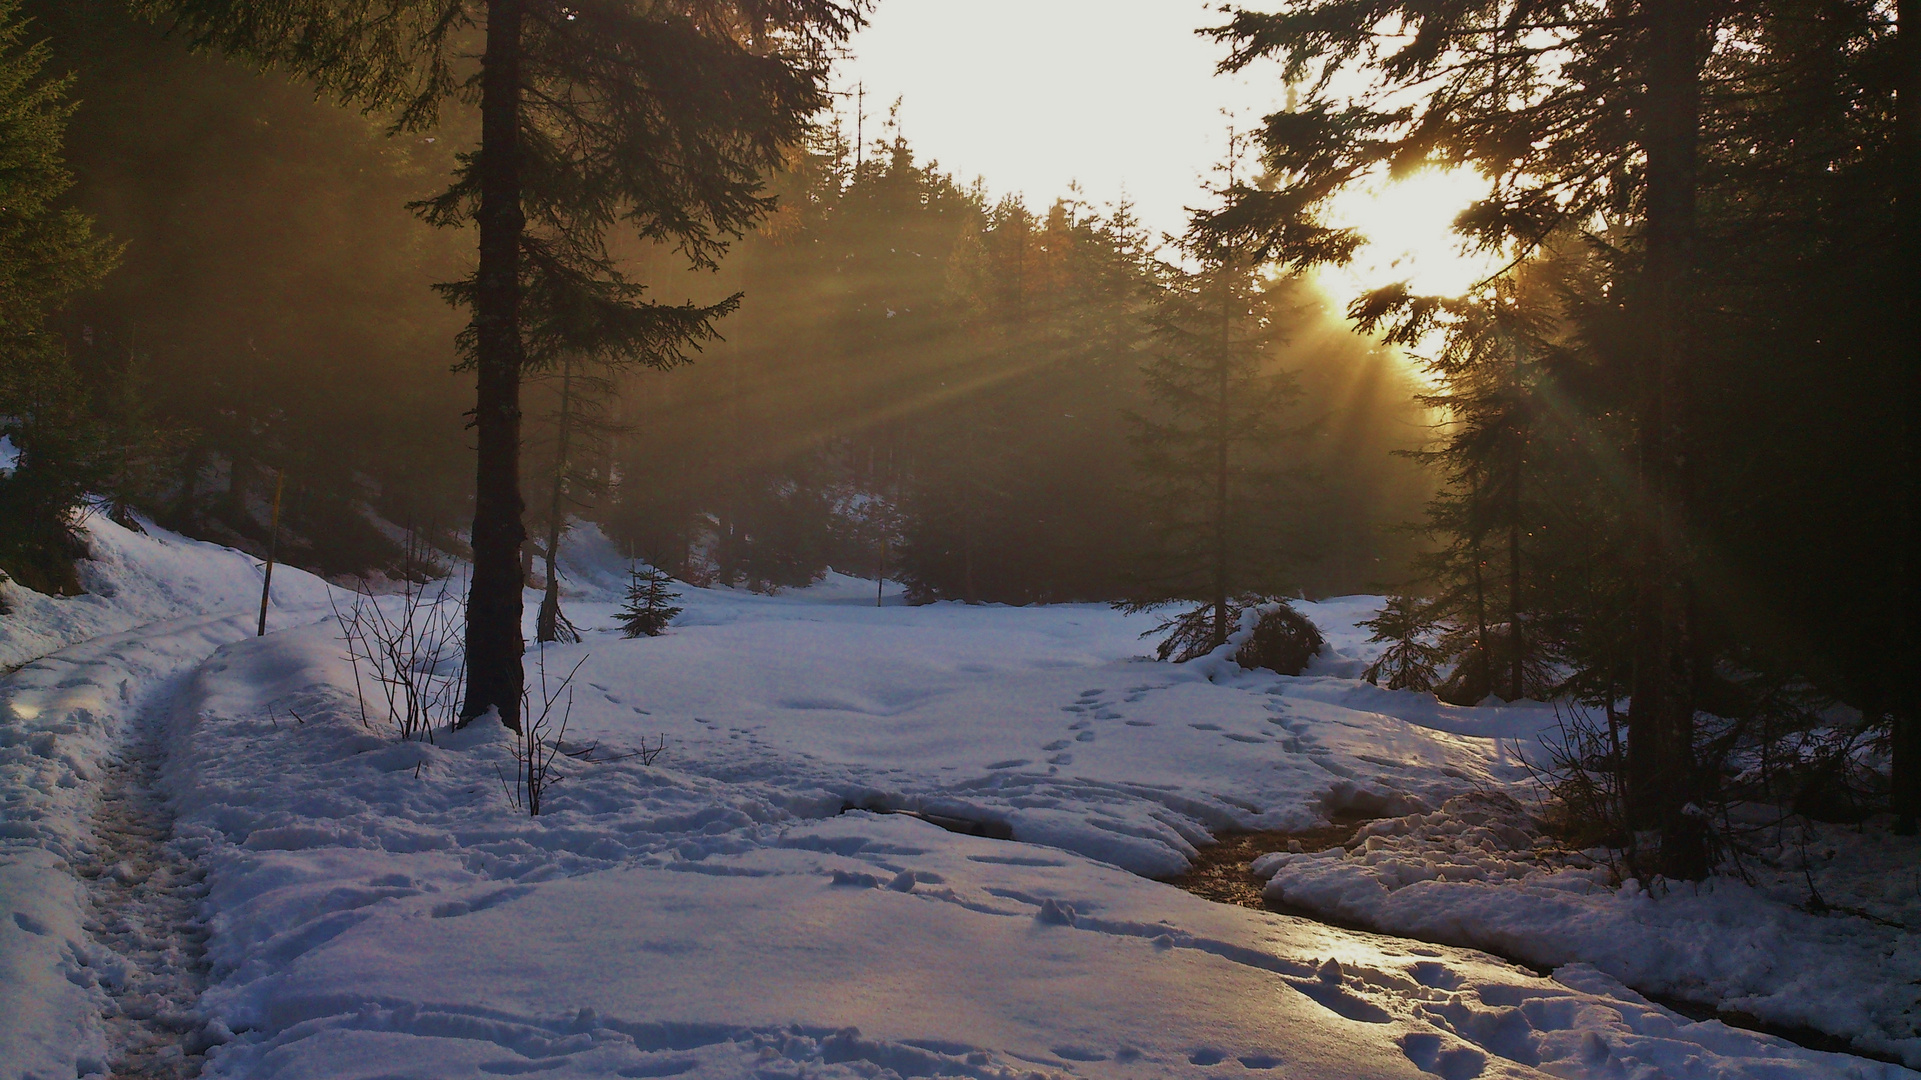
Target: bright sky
x,y
1121,97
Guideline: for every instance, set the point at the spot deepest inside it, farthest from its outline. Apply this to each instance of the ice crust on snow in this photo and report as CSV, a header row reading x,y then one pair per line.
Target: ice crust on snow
x,y
376,909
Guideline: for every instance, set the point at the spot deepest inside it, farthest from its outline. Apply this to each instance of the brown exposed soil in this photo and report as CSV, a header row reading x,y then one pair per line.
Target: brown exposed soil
x,y
1221,871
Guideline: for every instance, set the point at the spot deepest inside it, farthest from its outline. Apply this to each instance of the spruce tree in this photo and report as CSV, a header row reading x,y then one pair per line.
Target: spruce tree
x,y
47,254
573,477
1410,628
649,607
1210,451
1577,112
593,114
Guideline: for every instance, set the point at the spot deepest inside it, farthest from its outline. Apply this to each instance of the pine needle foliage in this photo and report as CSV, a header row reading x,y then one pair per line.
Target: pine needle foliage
x,y
1210,450
649,608
658,119
1414,654
48,253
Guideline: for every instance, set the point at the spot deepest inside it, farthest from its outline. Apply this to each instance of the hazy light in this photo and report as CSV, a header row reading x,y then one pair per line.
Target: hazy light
x,y
1409,226
1033,95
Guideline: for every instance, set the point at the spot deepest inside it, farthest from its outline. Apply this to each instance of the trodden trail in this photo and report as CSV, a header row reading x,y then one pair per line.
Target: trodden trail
x,y
145,895
104,707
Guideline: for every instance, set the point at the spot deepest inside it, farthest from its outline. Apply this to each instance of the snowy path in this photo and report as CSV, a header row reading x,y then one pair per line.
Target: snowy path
x,y
100,958
145,895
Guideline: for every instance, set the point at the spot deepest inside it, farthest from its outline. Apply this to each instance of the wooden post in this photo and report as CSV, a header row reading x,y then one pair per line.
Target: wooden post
x,y
273,539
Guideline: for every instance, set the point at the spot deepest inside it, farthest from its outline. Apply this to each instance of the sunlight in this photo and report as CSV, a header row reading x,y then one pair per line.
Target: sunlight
x,y
1409,225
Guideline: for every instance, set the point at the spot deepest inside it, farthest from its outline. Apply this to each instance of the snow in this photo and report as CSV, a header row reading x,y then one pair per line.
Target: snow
x,y
1469,874
747,905
134,579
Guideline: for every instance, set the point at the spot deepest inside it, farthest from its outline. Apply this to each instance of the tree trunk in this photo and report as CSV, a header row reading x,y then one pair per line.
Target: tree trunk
x,y
1662,701
1484,673
494,644
1516,644
1221,437
547,622
1905,786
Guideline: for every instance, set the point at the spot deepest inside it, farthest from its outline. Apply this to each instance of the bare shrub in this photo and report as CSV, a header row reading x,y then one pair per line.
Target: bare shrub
x,y
541,743
411,645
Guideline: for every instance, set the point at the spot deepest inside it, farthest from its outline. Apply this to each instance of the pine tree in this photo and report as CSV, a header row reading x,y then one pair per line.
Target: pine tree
x,y
593,113
580,431
47,255
1486,370
1552,100
649,608
1410,627
1210,453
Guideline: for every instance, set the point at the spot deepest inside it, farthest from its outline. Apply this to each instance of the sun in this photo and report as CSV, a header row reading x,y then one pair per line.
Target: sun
x,y
1408,225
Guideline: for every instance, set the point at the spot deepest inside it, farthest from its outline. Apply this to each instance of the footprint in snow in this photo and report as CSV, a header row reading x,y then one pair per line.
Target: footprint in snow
x,y
1107,714
1085,736
1058,744
1205,727
1140,723
1077,725
1256,739
1011,763
1061,759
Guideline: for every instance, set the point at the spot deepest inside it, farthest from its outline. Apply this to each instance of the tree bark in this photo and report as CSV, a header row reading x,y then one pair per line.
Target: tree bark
x,y
494,644
547,622
1222,420
1905,786
1516,643
1662,701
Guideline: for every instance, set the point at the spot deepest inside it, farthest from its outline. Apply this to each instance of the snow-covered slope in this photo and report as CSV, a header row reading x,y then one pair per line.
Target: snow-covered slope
x,y
133,579
738,908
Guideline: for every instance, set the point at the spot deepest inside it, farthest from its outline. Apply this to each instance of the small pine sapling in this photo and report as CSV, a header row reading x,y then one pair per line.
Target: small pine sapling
x,y
1413,656
650,603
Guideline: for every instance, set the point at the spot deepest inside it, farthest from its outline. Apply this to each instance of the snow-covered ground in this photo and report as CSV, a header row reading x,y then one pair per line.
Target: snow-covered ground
x,y
745,906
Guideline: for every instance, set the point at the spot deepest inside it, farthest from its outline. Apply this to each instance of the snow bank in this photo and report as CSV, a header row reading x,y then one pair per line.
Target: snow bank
x,y
1472,874
62,718
133,579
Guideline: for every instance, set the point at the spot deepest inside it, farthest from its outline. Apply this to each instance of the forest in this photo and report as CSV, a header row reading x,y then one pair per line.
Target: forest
x,y
404,293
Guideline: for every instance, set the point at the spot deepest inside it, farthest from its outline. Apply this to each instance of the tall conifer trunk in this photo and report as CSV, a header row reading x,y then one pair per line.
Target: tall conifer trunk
x,y
1221,423
1516,644
547,622
494,644
1662,704
1905,787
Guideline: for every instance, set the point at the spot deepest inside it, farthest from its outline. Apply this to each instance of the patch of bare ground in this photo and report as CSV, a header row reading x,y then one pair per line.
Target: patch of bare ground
x,y
1223,870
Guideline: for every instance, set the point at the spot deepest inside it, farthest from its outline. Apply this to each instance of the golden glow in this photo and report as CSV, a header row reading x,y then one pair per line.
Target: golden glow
x,y
23,710
1409,226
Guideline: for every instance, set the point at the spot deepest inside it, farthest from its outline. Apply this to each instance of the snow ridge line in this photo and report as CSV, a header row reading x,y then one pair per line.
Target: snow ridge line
x,y
537,1044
